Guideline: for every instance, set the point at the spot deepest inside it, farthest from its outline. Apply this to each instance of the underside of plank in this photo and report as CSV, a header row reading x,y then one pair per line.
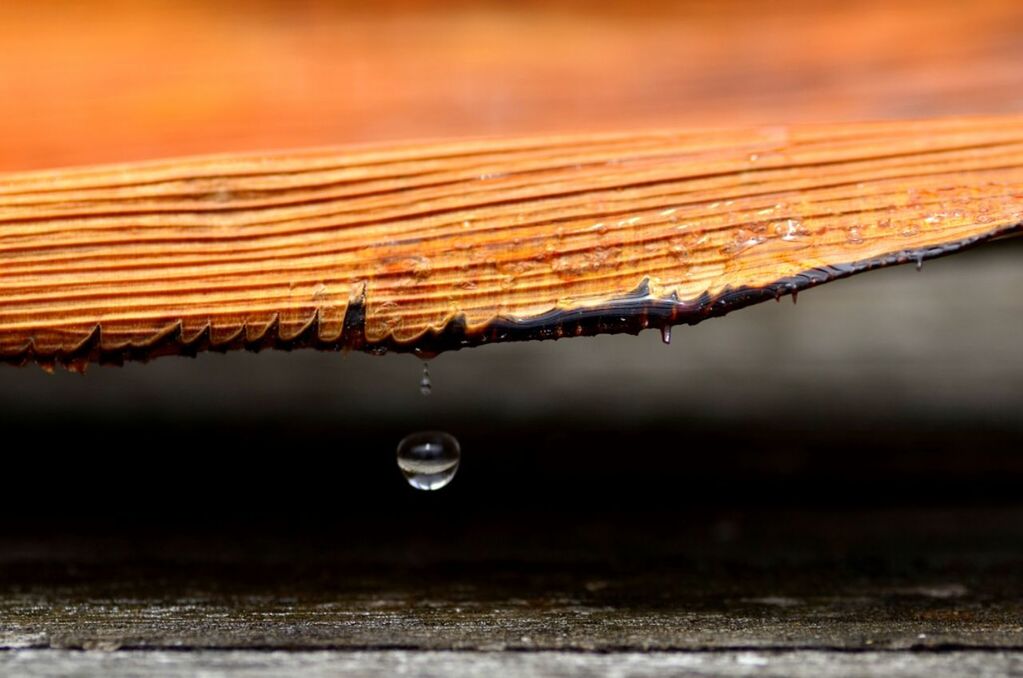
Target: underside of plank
x,y
437,246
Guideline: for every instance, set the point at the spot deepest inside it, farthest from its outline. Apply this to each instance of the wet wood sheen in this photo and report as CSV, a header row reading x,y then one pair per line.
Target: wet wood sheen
x,y
386,247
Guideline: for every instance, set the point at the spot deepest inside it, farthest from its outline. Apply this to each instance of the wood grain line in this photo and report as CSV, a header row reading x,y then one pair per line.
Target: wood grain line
x,y
430,247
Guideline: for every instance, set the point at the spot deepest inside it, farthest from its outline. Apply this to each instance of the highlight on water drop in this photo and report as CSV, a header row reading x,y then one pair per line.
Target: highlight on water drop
x,y
429,459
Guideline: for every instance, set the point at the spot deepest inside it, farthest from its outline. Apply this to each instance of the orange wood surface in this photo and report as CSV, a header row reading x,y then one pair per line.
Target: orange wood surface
x,y
122,80
230,248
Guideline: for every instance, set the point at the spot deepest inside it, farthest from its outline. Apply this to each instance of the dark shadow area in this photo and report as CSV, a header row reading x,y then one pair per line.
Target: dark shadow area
x,y
855,459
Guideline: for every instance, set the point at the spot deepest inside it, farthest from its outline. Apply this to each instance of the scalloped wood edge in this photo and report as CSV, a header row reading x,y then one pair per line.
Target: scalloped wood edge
x,y
428,247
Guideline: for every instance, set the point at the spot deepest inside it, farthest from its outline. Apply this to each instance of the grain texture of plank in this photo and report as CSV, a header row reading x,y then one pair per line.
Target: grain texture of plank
x,y
456,664
435,246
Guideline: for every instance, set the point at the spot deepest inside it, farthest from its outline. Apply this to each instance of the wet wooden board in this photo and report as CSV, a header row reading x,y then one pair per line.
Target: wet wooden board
x,y
433,247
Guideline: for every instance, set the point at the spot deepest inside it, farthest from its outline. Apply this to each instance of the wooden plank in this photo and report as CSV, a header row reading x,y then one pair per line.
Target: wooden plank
x,y
437,246
920,581
253,664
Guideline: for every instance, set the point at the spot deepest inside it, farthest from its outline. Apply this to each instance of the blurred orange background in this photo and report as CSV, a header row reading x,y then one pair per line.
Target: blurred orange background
x,y
91,82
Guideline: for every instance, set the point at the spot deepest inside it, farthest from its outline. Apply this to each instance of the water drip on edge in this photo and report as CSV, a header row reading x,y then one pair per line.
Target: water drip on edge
x,y
425,383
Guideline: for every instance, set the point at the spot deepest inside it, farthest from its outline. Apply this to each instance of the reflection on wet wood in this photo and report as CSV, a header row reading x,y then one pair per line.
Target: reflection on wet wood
x,y
431,247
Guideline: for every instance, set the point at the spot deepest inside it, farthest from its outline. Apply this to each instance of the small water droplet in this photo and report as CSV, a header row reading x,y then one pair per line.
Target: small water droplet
x,y
795,296
919,262
791,230
425,384
744,239
429,459
666,334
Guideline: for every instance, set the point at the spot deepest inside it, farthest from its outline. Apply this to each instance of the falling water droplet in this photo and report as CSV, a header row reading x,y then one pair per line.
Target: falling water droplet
x,y
666,334
425,384
429,459
919,262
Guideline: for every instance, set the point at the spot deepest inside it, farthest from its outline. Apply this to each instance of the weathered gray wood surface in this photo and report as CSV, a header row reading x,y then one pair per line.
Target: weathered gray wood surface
x,y
904,592
249,664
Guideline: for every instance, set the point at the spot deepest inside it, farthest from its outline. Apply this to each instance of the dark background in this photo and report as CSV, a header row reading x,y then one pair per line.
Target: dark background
x,y
895,389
